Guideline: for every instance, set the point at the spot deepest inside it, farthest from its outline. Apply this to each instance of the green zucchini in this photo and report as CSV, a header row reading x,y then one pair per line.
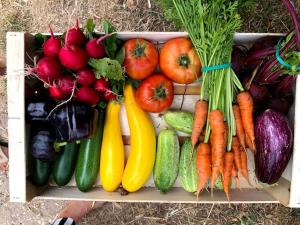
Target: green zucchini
x,y
167,160
64,166
188,167
88,161
39,172
180,120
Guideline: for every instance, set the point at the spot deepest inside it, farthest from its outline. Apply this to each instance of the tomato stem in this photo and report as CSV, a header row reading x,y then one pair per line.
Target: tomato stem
x,y
139,50
184,60
160,92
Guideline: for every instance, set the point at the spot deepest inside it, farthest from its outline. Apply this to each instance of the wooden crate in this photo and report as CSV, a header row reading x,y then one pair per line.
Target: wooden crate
x,y
19,48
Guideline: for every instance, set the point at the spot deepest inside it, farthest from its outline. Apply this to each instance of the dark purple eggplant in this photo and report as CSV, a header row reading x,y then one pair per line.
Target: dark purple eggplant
x,y
38,110
72,121
42,141
274,145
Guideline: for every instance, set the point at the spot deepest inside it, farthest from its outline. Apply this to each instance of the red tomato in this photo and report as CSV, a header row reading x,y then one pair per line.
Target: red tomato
x,y
141,58
155,94
179,61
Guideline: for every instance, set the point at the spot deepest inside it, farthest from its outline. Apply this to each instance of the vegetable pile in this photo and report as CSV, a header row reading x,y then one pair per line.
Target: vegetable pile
x,y
82,79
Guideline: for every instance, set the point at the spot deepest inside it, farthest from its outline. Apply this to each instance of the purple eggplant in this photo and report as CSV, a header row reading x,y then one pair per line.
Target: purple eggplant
x,y
274,145
72,121
42,141
38,110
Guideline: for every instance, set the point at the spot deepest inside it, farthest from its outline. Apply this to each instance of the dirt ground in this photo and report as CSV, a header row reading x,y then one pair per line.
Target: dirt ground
x,y
35,15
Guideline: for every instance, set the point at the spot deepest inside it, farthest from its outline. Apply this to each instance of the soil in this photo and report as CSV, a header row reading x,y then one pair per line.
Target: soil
x,y
130,15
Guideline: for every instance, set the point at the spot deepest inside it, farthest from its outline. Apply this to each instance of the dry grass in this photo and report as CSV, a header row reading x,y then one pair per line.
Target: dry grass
x,y
134,15
268,16
146,213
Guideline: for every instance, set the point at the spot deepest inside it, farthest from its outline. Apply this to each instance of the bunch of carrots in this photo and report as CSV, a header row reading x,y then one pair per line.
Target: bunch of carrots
x,y
228,128
212,158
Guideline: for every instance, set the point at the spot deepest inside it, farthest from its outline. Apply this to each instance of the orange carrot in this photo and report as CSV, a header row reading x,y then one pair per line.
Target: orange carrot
x,y
202,135
228,165
244,165
237,153
245,101
240,132
225,144
203,165
235,176
201,110
250,145
216,121
225,135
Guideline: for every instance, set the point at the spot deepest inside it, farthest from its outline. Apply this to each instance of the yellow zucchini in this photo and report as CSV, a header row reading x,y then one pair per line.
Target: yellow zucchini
x,y
112,150
142,144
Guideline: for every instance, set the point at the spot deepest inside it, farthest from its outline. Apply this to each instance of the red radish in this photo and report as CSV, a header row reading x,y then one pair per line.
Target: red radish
x,y
56,93
85,77
95,49
75,36
65,84
73,57
101,85
48,69
87,95
108,96
52,45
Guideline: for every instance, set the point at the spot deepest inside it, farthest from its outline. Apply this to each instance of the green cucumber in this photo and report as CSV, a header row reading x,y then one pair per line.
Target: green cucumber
x,y
188,167
88,161
64,166
180,120
167,160
219,184
39,172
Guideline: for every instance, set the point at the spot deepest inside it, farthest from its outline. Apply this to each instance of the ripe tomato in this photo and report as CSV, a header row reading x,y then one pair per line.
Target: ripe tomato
x,y
179,61
141,58
155,94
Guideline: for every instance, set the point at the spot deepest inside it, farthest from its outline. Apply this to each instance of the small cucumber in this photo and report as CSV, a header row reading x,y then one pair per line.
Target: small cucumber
x,y
180,120
64,166
167,160
219,185
39,172
187,167
88,162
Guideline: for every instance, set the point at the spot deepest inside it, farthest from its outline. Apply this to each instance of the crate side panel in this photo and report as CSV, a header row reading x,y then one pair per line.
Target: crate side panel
x,y
16,116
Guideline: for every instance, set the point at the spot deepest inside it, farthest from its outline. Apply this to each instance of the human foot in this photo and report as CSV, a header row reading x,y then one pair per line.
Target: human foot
x,y
77,209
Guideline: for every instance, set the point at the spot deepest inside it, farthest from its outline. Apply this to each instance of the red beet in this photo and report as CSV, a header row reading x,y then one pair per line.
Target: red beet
x,y
95,49
108,96
101,85
48,69
56,93
65,84
52,46
73,57
279,104
75,36
87,95
86,77
259,93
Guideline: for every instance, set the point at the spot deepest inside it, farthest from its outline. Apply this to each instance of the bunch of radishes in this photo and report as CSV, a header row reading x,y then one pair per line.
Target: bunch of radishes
x,y
64,68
